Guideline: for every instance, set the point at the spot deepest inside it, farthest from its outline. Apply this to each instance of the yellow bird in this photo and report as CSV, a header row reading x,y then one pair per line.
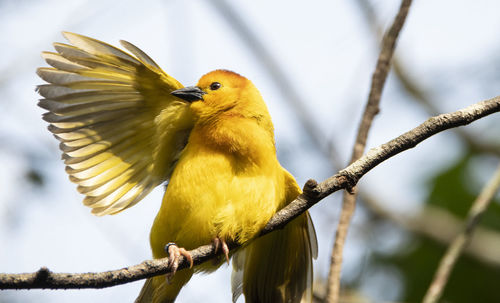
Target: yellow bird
x,y
125,126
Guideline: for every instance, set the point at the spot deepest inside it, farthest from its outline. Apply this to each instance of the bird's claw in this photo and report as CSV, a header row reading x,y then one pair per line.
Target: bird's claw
x,y
174,254
220,243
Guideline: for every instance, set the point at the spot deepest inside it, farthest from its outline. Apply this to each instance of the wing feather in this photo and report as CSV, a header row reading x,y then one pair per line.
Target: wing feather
x,y
80,109
111,185
142,56
81,57
120,129
99,48
61,63
91,96
51,91
101,129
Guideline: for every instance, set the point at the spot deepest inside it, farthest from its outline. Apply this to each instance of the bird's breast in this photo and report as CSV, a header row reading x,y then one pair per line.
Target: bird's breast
x,y
213,194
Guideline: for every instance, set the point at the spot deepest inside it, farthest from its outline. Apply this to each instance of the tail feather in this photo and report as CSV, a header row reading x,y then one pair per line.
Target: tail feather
x,y
147,292
158,290
278,266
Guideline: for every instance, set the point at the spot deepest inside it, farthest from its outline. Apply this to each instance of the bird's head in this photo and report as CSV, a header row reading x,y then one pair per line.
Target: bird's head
x,y
222,93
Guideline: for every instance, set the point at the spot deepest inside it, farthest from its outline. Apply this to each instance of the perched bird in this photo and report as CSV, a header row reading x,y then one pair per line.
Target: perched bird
x,y
125,126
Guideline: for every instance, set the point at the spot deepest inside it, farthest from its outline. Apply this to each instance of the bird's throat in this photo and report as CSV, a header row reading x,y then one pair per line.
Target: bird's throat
x,y
237,137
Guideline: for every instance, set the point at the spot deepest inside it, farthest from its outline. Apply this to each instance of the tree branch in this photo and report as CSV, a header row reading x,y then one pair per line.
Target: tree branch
x,y
420,94
313,193
372,108
458,245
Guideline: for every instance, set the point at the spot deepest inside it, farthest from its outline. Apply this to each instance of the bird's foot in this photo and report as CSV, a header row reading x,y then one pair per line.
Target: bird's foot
x,y
221,244
174,253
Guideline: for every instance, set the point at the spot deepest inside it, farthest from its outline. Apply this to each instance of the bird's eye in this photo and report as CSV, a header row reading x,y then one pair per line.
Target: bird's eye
x,y
215,86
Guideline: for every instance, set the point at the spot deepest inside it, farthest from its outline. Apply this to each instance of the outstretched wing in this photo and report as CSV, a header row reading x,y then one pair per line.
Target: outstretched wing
x,y
121,131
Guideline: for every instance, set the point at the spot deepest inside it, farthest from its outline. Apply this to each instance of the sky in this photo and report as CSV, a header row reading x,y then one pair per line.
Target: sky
x,y
327,53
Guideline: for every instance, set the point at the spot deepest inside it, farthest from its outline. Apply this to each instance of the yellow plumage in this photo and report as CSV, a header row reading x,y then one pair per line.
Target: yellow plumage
x,y
125,126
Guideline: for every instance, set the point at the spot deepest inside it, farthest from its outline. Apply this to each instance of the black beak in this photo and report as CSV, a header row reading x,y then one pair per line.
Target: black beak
x,y
190,93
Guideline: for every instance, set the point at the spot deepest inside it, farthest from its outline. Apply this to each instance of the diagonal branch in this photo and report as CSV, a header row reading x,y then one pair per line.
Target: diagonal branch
x,y
313,193
371,109
460,242
420,94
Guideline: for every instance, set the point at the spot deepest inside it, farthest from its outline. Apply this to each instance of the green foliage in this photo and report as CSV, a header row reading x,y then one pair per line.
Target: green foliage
x,y
471,280
451,189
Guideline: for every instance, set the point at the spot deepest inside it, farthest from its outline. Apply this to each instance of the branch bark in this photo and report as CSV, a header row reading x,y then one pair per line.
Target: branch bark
x,y
372,108
313,193
458,245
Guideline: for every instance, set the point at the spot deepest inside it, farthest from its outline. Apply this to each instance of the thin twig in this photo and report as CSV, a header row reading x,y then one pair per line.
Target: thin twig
x,y
420,94
371,109
313,193
458,245
439,225
423,96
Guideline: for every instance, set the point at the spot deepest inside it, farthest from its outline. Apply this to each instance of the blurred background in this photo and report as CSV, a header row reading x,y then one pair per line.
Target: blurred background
x,y
313,64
